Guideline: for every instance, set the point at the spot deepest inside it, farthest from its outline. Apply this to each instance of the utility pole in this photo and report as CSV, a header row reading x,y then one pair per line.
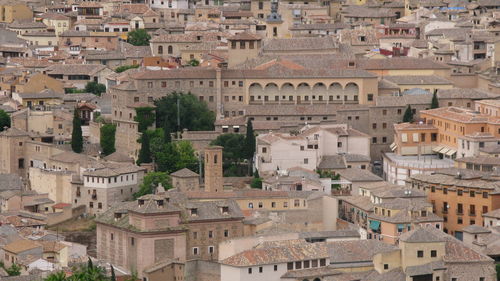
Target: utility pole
x,y
200,159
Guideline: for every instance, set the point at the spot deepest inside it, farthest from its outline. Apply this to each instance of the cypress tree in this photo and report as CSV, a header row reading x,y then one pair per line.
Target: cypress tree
x,y
89,264
108,138
113,276
408,116
145,152
76,136
435,102
249,149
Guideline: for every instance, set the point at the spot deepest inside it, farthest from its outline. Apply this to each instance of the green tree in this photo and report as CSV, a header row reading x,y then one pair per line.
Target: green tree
x,y
145,152
126,67
145,116
174,156
194,114
435,101
256,181
108,138
76,136
187,157
233,153
95,88
13,270
4,120
166,158
84,272
151,181
408,116
74,91
113,276
194,62
234,147
249,149
139,37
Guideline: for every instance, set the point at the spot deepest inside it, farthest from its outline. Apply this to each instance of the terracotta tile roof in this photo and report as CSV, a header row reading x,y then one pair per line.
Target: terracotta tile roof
x,y
300,44
184,173
357,250
20,246
461,115
297,251
418,80
245,36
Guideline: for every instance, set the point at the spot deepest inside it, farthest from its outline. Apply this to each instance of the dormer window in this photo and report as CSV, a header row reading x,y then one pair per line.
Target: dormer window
x,y
160,203
194,212
118,215
225,210
141,202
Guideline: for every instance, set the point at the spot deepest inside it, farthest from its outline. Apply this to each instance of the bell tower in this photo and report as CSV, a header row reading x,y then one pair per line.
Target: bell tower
x,y
214,181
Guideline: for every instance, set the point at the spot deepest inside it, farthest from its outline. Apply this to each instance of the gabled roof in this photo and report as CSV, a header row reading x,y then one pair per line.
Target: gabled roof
x,y
421,235
184,173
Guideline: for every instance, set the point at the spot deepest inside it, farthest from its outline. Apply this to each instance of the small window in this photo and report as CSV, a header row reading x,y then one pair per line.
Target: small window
x,y
420,254
386,266
433,253
260,269
275,267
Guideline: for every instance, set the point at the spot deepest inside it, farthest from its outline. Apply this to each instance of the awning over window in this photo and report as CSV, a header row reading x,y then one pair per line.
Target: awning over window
x,y
444,150
374,225
451,152
437,148
393,146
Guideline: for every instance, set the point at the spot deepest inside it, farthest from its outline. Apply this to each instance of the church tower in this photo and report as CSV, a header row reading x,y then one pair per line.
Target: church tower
x,y
214,181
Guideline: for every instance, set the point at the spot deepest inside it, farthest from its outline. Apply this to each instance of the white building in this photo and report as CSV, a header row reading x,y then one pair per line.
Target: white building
x,y
271,260
297,179
278,151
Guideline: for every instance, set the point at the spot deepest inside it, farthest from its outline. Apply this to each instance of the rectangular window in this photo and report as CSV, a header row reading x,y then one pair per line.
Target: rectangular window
x,y
420,254
298,265
433,253
260,269
289,266
275,267
472,193
322,262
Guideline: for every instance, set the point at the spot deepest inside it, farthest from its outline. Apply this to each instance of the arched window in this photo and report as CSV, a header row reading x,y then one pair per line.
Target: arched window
x,y
215,159
170,50
160,50
317,279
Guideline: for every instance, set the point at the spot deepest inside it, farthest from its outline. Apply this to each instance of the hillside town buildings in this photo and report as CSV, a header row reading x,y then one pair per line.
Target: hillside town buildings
x,y
368,139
